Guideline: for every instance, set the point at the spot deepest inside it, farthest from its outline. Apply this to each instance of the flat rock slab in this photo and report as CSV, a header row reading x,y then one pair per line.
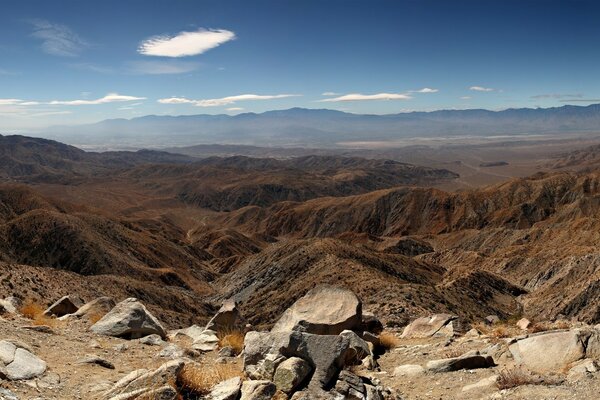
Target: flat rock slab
x,y
18,363
458,363
129,319
324,310
552,351
427,326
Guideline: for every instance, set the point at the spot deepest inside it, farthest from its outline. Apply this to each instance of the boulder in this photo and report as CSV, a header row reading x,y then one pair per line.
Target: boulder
x,y
326,354
192,332
9,305
152,340
427,326
582,369
129,319
466,361
492,319
352,386
226,390
485,383
94,359
523,324
324,310
258,390
19,363
95,308
409,370
206,341
358,348
227,319
63,306
549,351
290,374
370,323
142,381
6,394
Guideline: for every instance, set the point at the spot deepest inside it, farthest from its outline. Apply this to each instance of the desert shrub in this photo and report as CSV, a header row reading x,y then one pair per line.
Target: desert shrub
x,y
388,340
511,378
199,379
233,339
35,312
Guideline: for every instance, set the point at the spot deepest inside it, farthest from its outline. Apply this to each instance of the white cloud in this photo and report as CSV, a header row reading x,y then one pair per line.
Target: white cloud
x,y
425,90
185,43
224,100
57,39
235,109
465,98
361,97
330,94
10,102
162,67
109,98
481,89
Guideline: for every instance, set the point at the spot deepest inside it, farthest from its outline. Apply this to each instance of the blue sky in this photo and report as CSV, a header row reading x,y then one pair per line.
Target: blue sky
x,y
68,61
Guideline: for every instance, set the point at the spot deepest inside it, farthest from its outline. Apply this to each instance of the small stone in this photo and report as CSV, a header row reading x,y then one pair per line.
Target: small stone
x,y
93,359
409,370
291,373
523,324
152,340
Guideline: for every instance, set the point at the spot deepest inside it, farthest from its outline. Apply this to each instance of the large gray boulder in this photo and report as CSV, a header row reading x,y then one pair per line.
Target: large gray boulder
x,y
550,351
324,310
97,307
427,326
18,363
129,319
227,319
63,306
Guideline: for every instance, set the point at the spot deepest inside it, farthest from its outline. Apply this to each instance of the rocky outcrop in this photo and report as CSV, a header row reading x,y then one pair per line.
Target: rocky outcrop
x,y
226,390
258,390
428,326
227,319
142,382
325,310
129,319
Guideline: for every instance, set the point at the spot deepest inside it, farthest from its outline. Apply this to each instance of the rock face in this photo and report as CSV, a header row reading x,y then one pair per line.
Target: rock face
x,y
324,310
427,326
227,319
129,319
17,363
551,351
63,306
326,354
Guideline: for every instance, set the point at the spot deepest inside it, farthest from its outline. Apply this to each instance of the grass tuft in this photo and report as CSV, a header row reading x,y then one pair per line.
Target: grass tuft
x,y
35,312
233,339
199,379
389,340
517,377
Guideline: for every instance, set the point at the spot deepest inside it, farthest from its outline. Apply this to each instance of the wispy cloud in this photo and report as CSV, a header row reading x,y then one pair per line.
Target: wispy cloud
x,y
362,97
223,101
109,98
581,101
425,90
57,39
465,98
185,43
557,96
330,94
235,109
481,89
161,67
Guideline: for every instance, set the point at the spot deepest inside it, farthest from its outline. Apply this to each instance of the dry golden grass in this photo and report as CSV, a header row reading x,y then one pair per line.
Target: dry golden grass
x,y
93,318
35,312
389,340
199,379
233,339
517,377
499,330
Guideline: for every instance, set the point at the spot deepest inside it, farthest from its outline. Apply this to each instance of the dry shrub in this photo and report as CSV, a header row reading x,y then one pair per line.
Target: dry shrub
x,y
233,339
199,379
499,330
517,377
539,327
35,312
388,340
95,317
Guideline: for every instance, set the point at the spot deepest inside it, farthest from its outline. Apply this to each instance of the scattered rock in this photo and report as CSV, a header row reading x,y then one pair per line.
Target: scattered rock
x,y
427,326
93,359
485,383
258,390
152,340
324,310
19,363
409,370
172,351
291,373
9,305
523,324
142,381
227,319
466,361
95,308
583,369
206,341
39,328
6,394
129,319
226,390
192,332
492,319
63,306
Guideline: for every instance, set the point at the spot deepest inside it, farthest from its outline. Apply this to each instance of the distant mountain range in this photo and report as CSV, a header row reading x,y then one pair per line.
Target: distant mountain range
x,y
323,128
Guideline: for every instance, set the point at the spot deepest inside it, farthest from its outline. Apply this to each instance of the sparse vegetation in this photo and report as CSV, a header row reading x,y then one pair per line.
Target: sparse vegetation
x,y
199,379
233,339
35,312
511,378
498,330
389,340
